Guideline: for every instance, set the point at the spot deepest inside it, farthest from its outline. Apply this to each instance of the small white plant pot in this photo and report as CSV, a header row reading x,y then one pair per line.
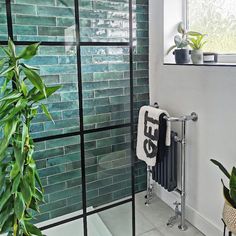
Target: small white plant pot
x,y
197,56
229,217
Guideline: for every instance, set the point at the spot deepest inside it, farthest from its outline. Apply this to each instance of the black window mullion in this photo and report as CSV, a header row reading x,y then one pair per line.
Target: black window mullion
x,y
81,114
132,114
9,19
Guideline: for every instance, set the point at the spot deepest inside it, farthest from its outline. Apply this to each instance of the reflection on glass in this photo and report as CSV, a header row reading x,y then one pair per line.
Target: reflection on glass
x,y
3,21
74,228
116,221
43,20
104,21
58,162
58,66
106,86
108,166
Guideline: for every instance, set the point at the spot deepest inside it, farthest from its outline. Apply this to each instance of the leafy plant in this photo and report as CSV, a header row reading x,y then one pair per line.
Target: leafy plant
x,y
196,41
229,193
181,40
21,190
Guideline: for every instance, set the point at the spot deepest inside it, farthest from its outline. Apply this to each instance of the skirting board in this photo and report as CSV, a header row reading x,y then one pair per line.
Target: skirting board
x,y
194,217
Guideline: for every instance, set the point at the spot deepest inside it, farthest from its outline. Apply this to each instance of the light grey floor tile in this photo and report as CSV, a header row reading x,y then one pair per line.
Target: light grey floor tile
x,y
152,233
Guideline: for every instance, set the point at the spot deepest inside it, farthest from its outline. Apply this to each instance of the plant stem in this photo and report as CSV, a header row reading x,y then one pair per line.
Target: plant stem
x,y
15,228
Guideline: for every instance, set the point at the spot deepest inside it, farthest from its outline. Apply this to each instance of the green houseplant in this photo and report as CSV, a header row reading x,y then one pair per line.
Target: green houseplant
x,y
182,42
196,42
22,93
229,212
181,46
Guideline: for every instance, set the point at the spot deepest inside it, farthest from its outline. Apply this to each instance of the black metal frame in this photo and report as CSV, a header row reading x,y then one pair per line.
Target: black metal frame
x,y
225,228
78,44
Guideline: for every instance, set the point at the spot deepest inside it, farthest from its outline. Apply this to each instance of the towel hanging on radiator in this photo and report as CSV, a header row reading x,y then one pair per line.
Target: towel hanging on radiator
x,y
165,170
150,134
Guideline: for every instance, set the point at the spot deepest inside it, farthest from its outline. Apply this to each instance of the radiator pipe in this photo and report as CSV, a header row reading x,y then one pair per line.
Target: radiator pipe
x,y
183,225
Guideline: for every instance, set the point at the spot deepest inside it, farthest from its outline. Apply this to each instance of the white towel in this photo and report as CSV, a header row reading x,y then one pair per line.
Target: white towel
x,y
148,134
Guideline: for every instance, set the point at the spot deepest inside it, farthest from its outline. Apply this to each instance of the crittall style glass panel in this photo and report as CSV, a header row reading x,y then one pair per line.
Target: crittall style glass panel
x,y
116,221
108,166
74,228
141,77
58,162
216,18
104,21
58,66
106,86
43,20
3,21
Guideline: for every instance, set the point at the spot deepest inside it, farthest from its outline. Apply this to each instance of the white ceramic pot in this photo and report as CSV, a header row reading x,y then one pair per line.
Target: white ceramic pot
x,y
229,217
197,56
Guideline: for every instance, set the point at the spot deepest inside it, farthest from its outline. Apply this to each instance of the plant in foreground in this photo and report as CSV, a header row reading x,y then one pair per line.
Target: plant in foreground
x,y
22,93
229,193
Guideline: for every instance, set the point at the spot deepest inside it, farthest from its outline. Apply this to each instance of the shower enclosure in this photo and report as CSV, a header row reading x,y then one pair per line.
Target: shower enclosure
x,y
98,51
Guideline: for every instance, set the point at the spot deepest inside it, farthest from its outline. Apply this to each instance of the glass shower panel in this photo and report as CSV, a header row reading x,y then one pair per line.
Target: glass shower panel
x,y
58,163
104,21
74,228
58,66
3,21
108,167
116,221
51,20
106,86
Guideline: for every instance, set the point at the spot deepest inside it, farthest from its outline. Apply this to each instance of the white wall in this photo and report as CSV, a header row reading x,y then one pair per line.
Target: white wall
x,y
211,92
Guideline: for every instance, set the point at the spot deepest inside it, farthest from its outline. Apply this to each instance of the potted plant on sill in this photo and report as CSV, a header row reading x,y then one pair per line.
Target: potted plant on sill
x,y
229,211
22,93
181,46
196,43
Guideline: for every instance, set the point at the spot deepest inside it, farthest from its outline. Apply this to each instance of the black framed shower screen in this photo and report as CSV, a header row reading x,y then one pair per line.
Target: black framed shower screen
x,y
64,30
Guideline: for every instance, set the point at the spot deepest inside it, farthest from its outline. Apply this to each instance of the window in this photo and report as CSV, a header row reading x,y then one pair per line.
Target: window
x,y
216,18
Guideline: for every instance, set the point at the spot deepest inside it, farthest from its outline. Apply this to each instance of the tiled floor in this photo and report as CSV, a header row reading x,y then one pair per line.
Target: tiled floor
x,y
150,221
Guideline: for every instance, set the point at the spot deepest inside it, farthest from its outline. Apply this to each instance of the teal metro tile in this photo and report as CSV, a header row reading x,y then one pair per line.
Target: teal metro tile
x,y
23,9
35,20
52,206
37,2
65,194
55,11
63,142
63,177
66,210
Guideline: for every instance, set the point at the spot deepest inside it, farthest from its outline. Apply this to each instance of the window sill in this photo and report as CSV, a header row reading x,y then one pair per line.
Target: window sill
x,y
204,64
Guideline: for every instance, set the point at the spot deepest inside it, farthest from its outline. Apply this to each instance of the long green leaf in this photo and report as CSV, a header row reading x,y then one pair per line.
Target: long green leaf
x,y
33,230
19,206
19,157
29,52
14,171
4,198
12,95
232,184
222,168
35,80
46,112
9,130
170,49
21,104
49,91
7,70
12,48
227,195
16,183
25,133
26,192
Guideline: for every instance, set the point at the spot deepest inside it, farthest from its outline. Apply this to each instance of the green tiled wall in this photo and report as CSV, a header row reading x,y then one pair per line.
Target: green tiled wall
x,y
106,97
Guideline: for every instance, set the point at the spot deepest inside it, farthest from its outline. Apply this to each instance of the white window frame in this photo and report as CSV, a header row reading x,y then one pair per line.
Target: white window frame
x,y
228,58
